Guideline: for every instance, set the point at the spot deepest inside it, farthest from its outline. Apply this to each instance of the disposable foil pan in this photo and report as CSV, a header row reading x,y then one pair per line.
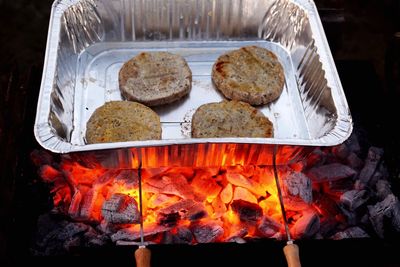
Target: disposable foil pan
x,y
89,40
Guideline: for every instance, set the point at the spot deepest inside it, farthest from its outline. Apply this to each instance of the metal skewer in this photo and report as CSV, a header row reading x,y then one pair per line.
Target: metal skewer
x,y
291,250
142,254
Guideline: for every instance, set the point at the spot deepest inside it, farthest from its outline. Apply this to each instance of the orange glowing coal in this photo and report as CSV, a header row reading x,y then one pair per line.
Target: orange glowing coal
x,y
179,203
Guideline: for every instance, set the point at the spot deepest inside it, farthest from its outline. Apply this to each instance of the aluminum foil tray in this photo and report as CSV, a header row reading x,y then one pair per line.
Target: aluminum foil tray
x,y
89,40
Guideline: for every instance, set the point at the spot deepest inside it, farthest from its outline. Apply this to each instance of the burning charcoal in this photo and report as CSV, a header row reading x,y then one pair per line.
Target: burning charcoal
x,y
183,209
247,170
299,185
127,178
354,161
107,228
77,174
161,200
180,235
73,210
169,219
353,232
326,206
121,209
383,189
316,158
105,179
205,186
244,194
242,232
49,174
247,211
173,184
148,173
207,232
269,205
382,210
307,226
341,151
188,172
227,194
354,199
240,180
331,172
91,238
210,171
167,238
91,205
269,227
219,207
133,233
374,157
295,203
183,236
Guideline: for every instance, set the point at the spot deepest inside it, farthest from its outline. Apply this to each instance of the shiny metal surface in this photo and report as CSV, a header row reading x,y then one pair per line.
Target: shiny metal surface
x,y
89,40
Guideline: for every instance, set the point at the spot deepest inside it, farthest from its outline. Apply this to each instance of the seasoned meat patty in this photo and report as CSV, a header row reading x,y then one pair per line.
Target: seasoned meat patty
x,y
251,74
120,121
155,78
230,119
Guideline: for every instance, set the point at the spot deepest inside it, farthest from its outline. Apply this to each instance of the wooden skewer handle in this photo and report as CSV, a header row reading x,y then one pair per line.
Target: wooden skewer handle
x,y
143,256
292,255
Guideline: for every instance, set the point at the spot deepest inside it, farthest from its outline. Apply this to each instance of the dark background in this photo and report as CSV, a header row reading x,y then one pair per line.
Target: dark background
x,y
364,36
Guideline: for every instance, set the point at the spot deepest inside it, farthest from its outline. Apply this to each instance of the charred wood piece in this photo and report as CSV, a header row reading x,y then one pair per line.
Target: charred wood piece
x,y
353,144
307,226
341,151
354,161
173,184
207,232
180,235
371,163
133,233
268,227
205,186
244,194
240,180
236,236
227,193
183,209
383,189
330,172
247,211
354,199
298,185
121,209
386,209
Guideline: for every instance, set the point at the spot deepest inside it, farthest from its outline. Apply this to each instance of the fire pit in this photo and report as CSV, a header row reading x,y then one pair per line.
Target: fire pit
x,y
332,194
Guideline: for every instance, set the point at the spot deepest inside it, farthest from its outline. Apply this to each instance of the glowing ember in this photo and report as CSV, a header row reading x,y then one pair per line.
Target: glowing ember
x,y
215,204
235,202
